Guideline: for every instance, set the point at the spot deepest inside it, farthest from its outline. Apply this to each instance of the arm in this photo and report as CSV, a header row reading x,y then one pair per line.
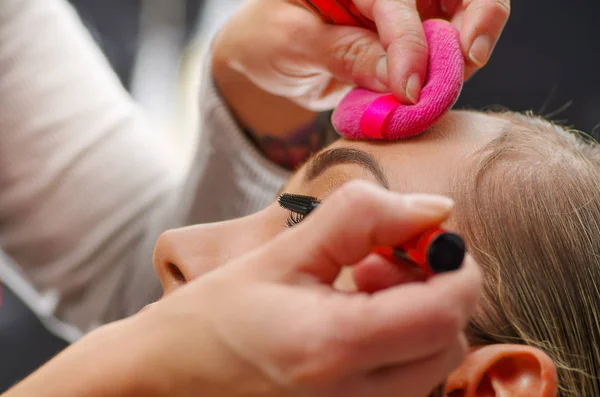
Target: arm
x,y
285,117
84,181
92,367
221,335
81,173
86,185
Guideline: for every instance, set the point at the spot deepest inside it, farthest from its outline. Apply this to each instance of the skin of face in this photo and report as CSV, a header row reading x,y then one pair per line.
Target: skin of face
x,y
428,163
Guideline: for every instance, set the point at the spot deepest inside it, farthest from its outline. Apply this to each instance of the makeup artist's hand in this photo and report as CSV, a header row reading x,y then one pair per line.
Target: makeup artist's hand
x,y
285,49
271,324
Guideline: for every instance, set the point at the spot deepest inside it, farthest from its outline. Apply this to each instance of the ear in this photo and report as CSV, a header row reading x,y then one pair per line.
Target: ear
x,y
504,370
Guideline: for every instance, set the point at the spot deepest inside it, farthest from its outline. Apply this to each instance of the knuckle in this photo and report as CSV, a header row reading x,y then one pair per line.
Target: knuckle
x,y
398,7
318,360
345,319
413,42
358,198
295,29
498,7
344,346
289,30
353,53
448,323
503,6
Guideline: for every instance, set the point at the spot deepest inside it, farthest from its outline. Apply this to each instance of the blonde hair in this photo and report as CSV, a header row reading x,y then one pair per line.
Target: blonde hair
x,y
530,213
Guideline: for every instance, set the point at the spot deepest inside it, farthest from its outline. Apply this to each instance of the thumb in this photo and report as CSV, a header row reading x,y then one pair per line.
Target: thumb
x,y
401,33
343,230
354,55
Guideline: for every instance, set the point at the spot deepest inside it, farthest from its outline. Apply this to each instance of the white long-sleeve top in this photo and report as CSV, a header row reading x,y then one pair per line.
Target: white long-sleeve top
x,y
86,185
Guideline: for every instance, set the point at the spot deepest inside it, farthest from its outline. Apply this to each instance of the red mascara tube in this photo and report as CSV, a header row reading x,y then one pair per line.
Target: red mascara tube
x,y
435,251
340,12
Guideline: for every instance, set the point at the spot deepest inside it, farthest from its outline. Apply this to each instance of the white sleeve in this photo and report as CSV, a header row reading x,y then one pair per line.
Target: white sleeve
x,y
228,178
86,186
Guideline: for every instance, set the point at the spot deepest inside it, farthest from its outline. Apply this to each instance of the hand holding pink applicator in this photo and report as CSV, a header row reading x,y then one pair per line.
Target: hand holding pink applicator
x,y
368,115
364,114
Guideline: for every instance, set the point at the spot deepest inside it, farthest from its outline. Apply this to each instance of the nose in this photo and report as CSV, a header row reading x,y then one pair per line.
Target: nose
x,y
181,255
167,260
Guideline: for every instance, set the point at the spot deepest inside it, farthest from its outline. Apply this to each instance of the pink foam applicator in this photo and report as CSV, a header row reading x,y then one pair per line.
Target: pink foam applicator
x,y
368,115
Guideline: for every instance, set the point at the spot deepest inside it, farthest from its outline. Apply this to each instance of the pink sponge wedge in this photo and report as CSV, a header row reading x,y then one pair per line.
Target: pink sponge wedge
x,y
367,115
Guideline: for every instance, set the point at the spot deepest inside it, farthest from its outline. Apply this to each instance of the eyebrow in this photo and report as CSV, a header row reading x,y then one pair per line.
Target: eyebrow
x,y
318,165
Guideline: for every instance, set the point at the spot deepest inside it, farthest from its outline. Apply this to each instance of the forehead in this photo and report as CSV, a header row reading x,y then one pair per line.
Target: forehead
x,y
458,133
427,163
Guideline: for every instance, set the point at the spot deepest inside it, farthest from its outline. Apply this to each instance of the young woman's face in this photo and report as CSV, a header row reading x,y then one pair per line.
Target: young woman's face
x,y
426,164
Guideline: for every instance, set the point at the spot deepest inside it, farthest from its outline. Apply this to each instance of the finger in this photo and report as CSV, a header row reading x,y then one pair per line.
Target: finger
x,y
375,273
415,379
354,55
343,230
405,323
482,24
449,6
469,72
401,33
429,9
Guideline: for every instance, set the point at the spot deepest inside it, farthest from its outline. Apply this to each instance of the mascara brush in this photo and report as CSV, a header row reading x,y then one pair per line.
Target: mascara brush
x,y
435,251
297,203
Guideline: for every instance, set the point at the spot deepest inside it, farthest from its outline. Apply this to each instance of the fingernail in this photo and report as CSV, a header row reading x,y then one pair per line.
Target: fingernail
x,y
439,205
413,88
381,71
480,50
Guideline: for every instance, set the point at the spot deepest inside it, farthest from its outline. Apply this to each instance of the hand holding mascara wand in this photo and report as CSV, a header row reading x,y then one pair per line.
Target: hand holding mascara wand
x,y
273,320
435,251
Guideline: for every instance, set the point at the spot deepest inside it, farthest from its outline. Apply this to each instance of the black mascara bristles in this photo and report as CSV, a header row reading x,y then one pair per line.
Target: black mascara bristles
x,y
298,204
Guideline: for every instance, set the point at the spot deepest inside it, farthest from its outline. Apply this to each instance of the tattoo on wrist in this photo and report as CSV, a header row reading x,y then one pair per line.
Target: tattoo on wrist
x,y
294,149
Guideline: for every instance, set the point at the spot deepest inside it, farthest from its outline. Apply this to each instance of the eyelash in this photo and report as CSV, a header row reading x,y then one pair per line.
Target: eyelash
x,y
293,219
298,206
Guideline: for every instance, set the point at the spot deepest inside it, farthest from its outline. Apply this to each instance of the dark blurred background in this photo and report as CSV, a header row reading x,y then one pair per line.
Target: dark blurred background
x,y
115,24
546,62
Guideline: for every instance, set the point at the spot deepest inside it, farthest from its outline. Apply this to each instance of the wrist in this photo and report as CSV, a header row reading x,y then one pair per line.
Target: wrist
x,y
292,150
130,357
110,361
125,349
283,131
256,109
252,104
